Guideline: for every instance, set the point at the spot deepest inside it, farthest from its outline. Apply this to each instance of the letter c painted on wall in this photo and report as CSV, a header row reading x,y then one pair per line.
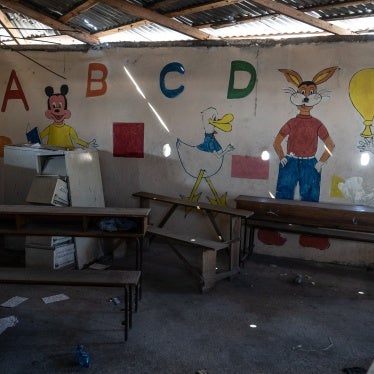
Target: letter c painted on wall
x,y
238,93
172,67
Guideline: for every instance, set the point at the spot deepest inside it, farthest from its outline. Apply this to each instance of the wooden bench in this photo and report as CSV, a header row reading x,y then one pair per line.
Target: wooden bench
x,y
339,221
206,274
128,279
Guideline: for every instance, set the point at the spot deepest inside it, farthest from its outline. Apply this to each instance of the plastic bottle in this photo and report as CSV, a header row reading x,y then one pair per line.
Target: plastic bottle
x,y
82,356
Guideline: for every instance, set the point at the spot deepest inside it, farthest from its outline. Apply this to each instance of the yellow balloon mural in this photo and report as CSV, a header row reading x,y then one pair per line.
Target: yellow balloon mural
x,y
361,93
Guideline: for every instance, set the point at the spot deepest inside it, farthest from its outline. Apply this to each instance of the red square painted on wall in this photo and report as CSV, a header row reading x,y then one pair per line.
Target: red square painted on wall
x,y
128,139
249,167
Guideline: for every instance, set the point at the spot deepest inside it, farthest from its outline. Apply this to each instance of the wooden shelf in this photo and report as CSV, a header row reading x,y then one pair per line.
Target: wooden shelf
x,y
68,221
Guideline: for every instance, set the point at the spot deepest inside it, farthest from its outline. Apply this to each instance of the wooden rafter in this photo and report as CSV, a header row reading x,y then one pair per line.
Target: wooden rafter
x,y
160,4
48,21
78,10
222,3
247,19
149,15
302,17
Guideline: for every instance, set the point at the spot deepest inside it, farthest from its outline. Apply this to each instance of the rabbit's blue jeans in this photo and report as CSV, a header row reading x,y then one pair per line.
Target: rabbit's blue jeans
x,y
299,171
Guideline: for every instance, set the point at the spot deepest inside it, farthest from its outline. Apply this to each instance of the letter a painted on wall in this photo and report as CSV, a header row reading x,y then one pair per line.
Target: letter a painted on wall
x,y
14,94
239,93
172,67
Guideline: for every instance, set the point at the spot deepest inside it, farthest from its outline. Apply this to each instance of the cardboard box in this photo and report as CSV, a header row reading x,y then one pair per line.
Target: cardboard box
x,y
57,258
49,190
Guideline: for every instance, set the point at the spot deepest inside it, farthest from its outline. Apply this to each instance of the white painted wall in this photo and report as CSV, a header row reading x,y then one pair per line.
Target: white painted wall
x,y
257,118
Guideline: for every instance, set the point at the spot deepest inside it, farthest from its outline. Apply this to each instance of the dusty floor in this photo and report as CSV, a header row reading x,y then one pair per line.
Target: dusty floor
x,y
321,325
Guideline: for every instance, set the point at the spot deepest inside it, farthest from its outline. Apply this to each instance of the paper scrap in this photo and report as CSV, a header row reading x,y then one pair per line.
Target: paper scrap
x,y
97,266
6,322
54,298
14,301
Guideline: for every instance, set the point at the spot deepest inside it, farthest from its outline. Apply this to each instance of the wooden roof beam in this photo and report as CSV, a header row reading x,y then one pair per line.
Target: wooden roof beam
x,y
302,17
78,10
48,21
219,4
183,12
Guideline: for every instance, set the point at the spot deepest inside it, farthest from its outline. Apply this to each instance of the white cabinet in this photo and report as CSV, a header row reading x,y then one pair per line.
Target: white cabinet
x,y
81,169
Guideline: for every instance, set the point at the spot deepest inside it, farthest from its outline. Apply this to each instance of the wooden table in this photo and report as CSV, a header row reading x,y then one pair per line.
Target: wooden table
x,y
72,221
340,221
128,280
75,221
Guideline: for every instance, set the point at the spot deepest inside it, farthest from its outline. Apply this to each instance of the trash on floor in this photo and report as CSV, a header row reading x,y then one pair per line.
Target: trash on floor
x,y
298,279
115,300
98,266
14,301
300,347
6,322
54,298
82,356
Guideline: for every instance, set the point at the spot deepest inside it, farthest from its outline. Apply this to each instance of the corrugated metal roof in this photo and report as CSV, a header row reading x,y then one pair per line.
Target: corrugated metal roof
x,y
96,22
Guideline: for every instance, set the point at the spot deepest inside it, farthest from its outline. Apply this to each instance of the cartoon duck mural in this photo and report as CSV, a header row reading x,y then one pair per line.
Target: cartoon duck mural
x,y
204,160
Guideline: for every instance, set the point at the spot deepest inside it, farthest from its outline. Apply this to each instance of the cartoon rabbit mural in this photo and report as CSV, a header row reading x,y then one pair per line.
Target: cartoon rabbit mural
x,y
298,165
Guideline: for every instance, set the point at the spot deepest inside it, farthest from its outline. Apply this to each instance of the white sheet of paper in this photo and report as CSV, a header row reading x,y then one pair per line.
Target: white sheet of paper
x,y
54,298
97,266
6,322
14,301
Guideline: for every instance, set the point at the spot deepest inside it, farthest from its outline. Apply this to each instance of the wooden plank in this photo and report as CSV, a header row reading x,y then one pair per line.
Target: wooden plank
x,y
187,239
317,214
68,221
302,17
86,277
72,211
190,204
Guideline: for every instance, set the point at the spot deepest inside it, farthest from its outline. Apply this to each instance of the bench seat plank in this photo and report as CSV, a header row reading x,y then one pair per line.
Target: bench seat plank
x,y
86,277
187,239
243,213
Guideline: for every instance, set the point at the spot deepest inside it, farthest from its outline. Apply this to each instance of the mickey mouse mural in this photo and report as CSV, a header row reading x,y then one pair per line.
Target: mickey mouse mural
x,y
59,133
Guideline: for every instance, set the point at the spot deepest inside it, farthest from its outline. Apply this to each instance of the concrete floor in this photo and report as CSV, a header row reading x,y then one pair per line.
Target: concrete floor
x,y
321,325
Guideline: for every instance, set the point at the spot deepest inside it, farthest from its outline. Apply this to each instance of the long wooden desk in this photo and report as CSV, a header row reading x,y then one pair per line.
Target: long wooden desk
x,y
207,274
72,221
126,279
340,221
75,221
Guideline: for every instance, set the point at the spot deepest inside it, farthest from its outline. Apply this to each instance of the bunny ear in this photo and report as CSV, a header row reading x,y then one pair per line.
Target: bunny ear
x,y
292,76
324,75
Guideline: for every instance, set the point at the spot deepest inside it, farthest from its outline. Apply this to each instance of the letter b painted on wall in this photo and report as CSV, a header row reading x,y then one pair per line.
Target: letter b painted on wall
x,y
239,93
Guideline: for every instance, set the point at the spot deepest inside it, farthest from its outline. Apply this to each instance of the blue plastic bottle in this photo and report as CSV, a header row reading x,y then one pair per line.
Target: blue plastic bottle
x,y
82,356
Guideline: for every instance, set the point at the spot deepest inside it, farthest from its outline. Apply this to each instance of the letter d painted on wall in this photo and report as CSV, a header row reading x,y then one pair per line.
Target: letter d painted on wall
x,y
239,93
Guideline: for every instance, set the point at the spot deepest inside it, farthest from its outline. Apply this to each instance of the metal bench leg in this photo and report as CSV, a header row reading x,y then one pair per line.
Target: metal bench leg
x,y
130,306
126,321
